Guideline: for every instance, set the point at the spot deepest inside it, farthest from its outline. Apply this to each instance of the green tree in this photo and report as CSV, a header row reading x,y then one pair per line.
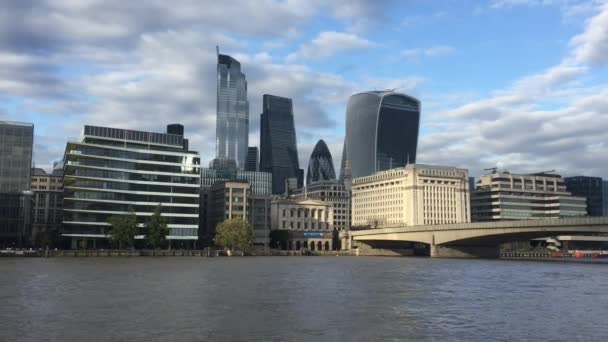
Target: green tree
x,y
157,229
124,228
234,234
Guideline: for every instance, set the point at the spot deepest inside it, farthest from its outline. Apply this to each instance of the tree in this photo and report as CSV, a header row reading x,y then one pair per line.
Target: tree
x,y
124,228
157,229
234,234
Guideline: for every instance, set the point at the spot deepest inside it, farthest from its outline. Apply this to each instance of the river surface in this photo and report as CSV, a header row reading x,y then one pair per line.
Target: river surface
x,y
301,299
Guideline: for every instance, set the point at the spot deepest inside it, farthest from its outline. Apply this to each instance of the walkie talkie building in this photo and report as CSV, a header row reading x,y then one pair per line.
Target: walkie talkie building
x,y
381,131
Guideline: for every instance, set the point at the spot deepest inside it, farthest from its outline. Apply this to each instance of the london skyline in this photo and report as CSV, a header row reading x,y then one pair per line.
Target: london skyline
x,y
526,97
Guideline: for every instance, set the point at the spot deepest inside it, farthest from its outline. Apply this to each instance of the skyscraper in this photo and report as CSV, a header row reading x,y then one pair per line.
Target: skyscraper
x,y
232,126
321,165
278,150
252,163
16,143
381,131
109,171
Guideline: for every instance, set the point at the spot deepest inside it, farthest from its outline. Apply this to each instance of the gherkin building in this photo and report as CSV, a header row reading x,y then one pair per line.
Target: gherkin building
x,y
321,165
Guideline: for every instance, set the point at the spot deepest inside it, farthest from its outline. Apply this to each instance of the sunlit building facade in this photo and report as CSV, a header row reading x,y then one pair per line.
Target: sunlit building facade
x,y
109,171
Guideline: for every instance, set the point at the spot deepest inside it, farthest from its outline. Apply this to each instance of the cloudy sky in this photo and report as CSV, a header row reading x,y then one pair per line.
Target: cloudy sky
x,y
518,84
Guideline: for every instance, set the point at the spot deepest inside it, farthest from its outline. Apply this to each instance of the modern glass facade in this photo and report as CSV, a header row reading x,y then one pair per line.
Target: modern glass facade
x,y
232,125
321,165
252,159
109,171
278,149
605,194
382,131
261,182
590,188
16,143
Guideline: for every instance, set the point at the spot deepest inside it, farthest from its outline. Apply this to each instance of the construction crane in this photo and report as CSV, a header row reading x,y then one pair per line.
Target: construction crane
x,y
493,169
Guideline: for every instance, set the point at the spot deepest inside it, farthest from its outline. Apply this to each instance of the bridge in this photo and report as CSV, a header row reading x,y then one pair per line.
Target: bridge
x,y
475,240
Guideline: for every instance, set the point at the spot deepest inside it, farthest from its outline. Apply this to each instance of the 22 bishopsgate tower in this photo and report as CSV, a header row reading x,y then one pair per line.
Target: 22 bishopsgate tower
x,y
381,132
232,127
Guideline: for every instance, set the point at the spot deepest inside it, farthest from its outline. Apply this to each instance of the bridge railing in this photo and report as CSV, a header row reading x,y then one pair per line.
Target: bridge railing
x,y
565,222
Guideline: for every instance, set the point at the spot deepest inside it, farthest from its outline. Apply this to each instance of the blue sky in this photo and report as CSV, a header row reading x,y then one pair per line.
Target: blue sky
x,y
518,84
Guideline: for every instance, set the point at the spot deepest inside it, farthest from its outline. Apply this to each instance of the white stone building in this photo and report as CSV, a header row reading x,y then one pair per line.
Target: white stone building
x,y
416,194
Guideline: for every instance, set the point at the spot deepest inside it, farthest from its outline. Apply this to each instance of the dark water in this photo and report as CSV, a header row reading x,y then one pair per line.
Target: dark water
x,y
301,299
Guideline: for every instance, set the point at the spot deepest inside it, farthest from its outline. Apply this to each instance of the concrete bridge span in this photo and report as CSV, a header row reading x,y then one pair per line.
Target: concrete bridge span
x,y
482,239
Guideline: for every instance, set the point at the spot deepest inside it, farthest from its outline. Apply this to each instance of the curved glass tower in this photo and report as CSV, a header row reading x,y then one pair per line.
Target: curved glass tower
x,y
381,131
232,126
321,165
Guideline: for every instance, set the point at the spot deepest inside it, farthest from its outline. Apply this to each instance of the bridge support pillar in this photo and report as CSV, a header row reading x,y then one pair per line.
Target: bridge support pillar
x,y
486,252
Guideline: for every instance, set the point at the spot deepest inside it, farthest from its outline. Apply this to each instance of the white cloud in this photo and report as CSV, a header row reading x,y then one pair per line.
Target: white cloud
x,y
591,46
433,51
329,43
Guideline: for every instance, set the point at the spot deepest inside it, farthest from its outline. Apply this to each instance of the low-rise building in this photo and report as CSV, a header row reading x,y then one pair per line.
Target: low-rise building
x,y
308,223
507,196
333,192
47,189
416,194
235,200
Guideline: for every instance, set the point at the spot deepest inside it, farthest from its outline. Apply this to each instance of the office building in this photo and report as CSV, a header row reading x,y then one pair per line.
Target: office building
x,y
232,125
332,192
253,163
109,171
278,148
321,165
234,200
381,132
16,200
308,223
47,189
592,189
508,196
412,195
261,182
605,194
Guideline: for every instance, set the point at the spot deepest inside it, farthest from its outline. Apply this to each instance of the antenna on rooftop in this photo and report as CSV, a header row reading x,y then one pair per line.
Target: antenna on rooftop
x,y
493,169
217,49
545,172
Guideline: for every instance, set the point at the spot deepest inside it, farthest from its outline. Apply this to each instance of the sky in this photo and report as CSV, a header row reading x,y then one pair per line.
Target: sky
x,y
521,85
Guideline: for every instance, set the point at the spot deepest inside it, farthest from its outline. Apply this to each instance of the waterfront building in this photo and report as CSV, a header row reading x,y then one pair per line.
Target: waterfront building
x,y
234,200
592,189
16,200
278,148
47,189
232,125
508,196
412,195
333,192
381,132
308,223
109,171
605,194
321,165
252,163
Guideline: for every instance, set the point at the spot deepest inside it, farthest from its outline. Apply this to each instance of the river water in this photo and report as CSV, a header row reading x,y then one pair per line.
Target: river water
x,y
301,299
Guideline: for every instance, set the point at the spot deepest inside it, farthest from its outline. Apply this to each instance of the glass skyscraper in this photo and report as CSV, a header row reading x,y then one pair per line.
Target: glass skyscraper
x,y
232,126
321,165
381,131
16,143
278,150
252,159
110,171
